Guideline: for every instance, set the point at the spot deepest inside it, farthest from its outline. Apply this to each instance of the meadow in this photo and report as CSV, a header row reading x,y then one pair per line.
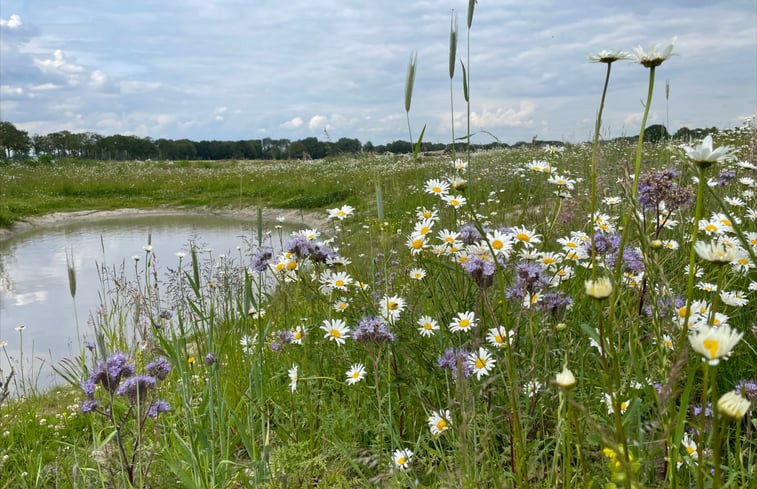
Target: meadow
x,y
431,336
534,317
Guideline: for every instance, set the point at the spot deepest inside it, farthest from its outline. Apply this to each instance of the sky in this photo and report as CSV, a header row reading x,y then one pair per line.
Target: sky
x,y
251,69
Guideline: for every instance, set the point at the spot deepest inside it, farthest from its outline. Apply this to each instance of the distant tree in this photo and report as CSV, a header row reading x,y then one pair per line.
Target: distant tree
x,y
347,145
13,142
399,146
655,133
368,147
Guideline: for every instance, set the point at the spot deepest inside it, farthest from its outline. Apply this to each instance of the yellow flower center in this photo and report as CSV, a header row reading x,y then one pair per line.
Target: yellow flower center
x,y
292,265
571,244
454,202
524,237
401,461
355,374
480,363
428,326
441,424
436,190
297,335
336,333
548,260
427,214
497,244
743,261
339,283
623,405
393,306
341,213
711,228
711,345
690,450
726,222
464,323
417,244
424,230
499,339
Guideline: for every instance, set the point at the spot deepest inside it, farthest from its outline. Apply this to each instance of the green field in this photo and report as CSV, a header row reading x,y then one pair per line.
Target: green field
x,y
403,350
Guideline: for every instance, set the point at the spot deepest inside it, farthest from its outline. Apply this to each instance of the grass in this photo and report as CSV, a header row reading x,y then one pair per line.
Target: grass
x,y
238,419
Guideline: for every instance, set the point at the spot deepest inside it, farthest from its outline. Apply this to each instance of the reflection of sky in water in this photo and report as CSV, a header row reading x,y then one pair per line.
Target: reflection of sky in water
x,y
34,289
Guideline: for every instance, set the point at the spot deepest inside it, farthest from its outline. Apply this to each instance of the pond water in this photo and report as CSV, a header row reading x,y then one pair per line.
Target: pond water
x,y
37,317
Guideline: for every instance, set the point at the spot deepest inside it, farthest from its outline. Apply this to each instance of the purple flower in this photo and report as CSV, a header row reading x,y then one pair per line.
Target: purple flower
x,y
469,234
697,411
726,177
110,372
453,359
658,187
275,346
211,359
159,368
300,246
135,388
480,270
555,303
529,278
286,336
260,260
373,329
157,407
88,406
748,389
88,386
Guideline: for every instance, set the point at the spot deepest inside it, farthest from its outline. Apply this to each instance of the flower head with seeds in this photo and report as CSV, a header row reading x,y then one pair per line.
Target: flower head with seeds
x,y
336,330
464,321
355,374
481,362
439,422
714,343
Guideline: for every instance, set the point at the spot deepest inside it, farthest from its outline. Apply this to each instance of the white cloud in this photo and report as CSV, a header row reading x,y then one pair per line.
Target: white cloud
x,y
318,122
137,86
98,79
292,123
58,64
14,22
500,117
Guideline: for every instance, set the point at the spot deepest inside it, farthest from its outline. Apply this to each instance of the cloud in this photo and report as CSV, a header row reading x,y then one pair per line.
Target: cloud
x,y
318,122
500,117
292,123
58,64
14,22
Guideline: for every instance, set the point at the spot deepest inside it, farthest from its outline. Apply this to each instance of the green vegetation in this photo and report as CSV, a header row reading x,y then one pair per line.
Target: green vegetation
x,y
262,395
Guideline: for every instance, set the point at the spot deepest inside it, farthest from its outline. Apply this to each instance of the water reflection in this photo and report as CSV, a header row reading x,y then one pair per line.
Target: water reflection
x,y
34,287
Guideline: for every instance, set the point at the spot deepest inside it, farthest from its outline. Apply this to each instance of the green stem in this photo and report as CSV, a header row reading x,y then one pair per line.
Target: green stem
x,y
594,156
715,428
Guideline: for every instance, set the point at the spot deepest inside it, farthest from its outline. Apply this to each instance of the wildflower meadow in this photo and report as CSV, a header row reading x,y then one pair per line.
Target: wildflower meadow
x,y
578,315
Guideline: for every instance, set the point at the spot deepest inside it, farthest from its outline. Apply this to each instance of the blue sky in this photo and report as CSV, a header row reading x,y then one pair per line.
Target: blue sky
x,y
233,69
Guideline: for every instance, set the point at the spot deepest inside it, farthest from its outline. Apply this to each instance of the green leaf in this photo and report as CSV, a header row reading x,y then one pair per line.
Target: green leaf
x,y
417,148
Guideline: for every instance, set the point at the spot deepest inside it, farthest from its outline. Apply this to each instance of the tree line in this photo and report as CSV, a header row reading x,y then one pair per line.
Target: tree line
x,y
17,144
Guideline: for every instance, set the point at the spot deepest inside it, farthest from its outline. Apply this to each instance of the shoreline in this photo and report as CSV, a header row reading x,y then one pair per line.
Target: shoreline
x,y
315,219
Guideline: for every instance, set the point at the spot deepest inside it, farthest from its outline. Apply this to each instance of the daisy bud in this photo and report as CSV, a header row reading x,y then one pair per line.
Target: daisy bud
x,y
733,405
598,289
565,379
655,244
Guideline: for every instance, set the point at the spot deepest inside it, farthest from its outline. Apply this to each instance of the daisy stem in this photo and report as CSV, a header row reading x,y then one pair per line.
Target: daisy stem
x,y
702,421
579,435
715,427
594,156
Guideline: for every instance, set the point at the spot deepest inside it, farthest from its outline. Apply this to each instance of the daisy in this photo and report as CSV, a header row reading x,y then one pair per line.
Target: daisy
x,y
654,56
598,289
401,458
562,182
293,377
612,201
439,422
670,244
525,236
423,213
298,334
449,238
733,405
456,201
459,164
309,234
341,305
427,325
736,299
549,259
339,280
501,243
715,252
436,187
463,322
423,228
531,388
500,338
336,330
355,374
341,212
689,445
623,405
608,56
539,166
714,343
704,155
417,273
416,243
391,307
481,362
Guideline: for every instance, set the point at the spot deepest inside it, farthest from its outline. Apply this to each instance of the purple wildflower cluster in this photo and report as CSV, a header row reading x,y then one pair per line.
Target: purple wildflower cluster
x,y
469,234
304,248
117,376
480,270
658,187
529,278
261,259
607,245
373,329
748,389
555,303
454,359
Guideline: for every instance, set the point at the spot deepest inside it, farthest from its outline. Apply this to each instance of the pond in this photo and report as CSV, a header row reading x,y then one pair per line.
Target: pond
x,y
38,322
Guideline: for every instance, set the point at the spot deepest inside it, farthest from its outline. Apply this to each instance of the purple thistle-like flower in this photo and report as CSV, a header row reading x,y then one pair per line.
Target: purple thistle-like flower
x,y
300,246
726,177
158,407
469,234
529,278
88,386
158,368
748,389
135,388
658,187
260,260
88,406
453,359
480,270
555,303
605,243
110,372
373,329
275,346
286,336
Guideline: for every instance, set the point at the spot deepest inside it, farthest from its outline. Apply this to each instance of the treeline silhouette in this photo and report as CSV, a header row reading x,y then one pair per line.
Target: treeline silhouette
x,y
17,144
